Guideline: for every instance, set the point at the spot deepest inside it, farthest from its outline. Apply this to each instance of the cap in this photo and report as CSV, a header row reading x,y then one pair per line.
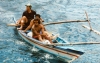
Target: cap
x,y
28,4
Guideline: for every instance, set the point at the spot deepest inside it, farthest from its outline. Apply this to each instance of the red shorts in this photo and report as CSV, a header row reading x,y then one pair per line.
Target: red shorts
x,y
36,37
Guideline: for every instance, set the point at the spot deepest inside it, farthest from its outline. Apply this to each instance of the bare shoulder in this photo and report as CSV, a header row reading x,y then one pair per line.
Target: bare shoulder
x,y
32,20
41,25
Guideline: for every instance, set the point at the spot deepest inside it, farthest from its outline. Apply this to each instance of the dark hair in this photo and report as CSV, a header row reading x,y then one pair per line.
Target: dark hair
x,y
37,20
29,6
38,15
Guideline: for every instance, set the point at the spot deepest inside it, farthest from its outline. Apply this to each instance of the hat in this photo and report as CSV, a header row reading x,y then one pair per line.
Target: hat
x,y
28,4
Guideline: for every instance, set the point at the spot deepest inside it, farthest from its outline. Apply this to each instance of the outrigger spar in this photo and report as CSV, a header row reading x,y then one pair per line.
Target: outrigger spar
x,y
90,27
59,22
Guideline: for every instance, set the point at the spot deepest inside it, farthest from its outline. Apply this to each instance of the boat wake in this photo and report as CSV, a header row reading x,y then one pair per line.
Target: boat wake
x,y
34,49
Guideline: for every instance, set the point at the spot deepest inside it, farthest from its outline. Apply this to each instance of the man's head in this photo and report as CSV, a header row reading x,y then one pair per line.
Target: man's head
x,y
36,21
28,6
37,16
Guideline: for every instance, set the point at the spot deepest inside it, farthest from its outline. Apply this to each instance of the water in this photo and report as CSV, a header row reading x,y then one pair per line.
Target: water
x,y
13,49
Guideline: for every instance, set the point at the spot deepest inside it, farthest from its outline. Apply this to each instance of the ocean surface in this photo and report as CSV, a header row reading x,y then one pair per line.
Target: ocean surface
x,y
13,49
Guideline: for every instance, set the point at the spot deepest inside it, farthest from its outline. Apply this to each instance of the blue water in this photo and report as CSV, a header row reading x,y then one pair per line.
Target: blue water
x,y
13,49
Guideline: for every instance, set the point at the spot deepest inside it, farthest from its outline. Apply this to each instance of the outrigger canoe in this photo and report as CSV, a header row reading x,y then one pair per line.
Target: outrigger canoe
x,y
64,53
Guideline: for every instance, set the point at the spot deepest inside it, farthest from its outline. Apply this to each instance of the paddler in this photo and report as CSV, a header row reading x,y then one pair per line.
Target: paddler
x,y
37,16
27,16
38,31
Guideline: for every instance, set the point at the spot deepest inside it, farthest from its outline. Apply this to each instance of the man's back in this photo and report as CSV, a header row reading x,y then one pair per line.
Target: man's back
x,y
27,16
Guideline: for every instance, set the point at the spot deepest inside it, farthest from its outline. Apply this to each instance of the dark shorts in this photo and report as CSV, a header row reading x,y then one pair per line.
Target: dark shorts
x,y
26,24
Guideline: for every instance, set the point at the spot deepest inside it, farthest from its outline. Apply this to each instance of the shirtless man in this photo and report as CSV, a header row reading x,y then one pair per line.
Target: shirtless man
x,y
37,16
38,31
27,16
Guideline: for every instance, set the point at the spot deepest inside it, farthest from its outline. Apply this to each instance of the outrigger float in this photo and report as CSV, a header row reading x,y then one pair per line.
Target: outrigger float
x,y
60,48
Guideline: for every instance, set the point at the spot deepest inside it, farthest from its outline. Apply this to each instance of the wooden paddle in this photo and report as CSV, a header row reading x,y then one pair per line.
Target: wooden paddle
x,y
78,43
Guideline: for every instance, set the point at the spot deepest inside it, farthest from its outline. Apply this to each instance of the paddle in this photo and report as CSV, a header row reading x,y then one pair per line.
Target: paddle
x,y
78,43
